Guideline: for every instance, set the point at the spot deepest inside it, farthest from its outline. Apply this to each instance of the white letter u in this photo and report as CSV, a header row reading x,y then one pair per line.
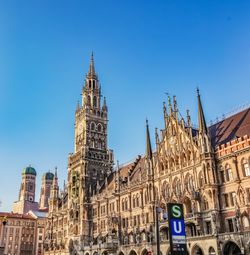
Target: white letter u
x,y
177,229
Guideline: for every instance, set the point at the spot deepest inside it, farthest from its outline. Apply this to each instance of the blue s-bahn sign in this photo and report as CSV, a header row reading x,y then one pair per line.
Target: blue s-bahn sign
x,y
176,229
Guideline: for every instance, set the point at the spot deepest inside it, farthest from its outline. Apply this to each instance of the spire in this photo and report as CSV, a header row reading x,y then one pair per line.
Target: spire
x,y
188,118
104,106
55,183
165,114
54,188
169,106
64,185
201,117
56,172
175,104
91,72
164,109
156,135
78,106
148,143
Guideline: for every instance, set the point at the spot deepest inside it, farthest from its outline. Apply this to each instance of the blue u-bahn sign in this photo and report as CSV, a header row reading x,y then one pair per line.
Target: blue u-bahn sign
x,y
177,233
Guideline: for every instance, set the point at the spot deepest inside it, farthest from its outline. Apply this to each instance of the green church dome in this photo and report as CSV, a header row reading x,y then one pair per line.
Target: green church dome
x,y
29,170
48,176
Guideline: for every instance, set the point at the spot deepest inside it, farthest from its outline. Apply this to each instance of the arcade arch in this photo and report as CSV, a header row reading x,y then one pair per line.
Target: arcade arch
x,y
132,252
197,250
231,248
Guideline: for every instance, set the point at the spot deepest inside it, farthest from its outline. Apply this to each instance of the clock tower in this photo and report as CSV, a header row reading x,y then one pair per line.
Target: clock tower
x,y
92,161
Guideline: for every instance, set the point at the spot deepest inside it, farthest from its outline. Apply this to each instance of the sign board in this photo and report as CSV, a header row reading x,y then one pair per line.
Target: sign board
x,y
177,233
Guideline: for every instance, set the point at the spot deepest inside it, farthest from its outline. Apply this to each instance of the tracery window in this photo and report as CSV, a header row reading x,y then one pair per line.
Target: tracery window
x,y
92,127
177,187
245,222
205,204
126,203
161,166
123,204
99,127
134,201
222,175
189,183
201,179
165,191
137,200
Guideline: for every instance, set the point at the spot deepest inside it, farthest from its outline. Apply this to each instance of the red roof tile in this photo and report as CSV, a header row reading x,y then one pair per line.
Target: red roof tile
x,y
230,128
16,215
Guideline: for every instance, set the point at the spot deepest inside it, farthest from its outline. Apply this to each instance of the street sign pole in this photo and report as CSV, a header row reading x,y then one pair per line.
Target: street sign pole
x,y
176,225
157,231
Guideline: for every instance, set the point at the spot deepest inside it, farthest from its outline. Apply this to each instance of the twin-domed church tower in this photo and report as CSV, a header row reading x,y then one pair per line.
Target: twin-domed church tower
x,y
26,199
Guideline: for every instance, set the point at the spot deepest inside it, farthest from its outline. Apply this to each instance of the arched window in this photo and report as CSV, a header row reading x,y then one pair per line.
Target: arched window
x,y
134,202
184,159
246,168
93,84
205,204
188,156
99,127
126,204
161,166
190,183
165,191
100,144
201,179
245,222
145,197
211,251
137,200
228,173
222,175
123,204
92,126
177,187
93,143
94,101
88,100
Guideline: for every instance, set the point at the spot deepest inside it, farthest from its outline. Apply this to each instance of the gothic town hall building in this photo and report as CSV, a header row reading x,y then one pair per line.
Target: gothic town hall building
x,y
103,210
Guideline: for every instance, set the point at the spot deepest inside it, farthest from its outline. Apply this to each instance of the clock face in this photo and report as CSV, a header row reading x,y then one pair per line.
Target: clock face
x,y
171,140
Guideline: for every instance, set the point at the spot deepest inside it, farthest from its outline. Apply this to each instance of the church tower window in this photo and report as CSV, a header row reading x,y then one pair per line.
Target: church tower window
x,y
94,101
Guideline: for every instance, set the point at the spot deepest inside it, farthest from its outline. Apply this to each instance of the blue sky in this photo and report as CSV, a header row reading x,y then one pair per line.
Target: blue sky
x,y
142,49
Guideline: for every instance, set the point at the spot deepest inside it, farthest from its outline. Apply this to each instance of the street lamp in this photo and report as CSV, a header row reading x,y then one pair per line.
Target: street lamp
x,y
157,211
4,222
99,245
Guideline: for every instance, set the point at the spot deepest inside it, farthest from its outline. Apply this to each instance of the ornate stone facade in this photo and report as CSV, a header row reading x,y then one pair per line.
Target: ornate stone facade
x,y
113,211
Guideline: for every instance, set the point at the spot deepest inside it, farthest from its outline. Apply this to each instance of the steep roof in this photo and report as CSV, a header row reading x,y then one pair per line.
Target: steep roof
x,y
230,128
